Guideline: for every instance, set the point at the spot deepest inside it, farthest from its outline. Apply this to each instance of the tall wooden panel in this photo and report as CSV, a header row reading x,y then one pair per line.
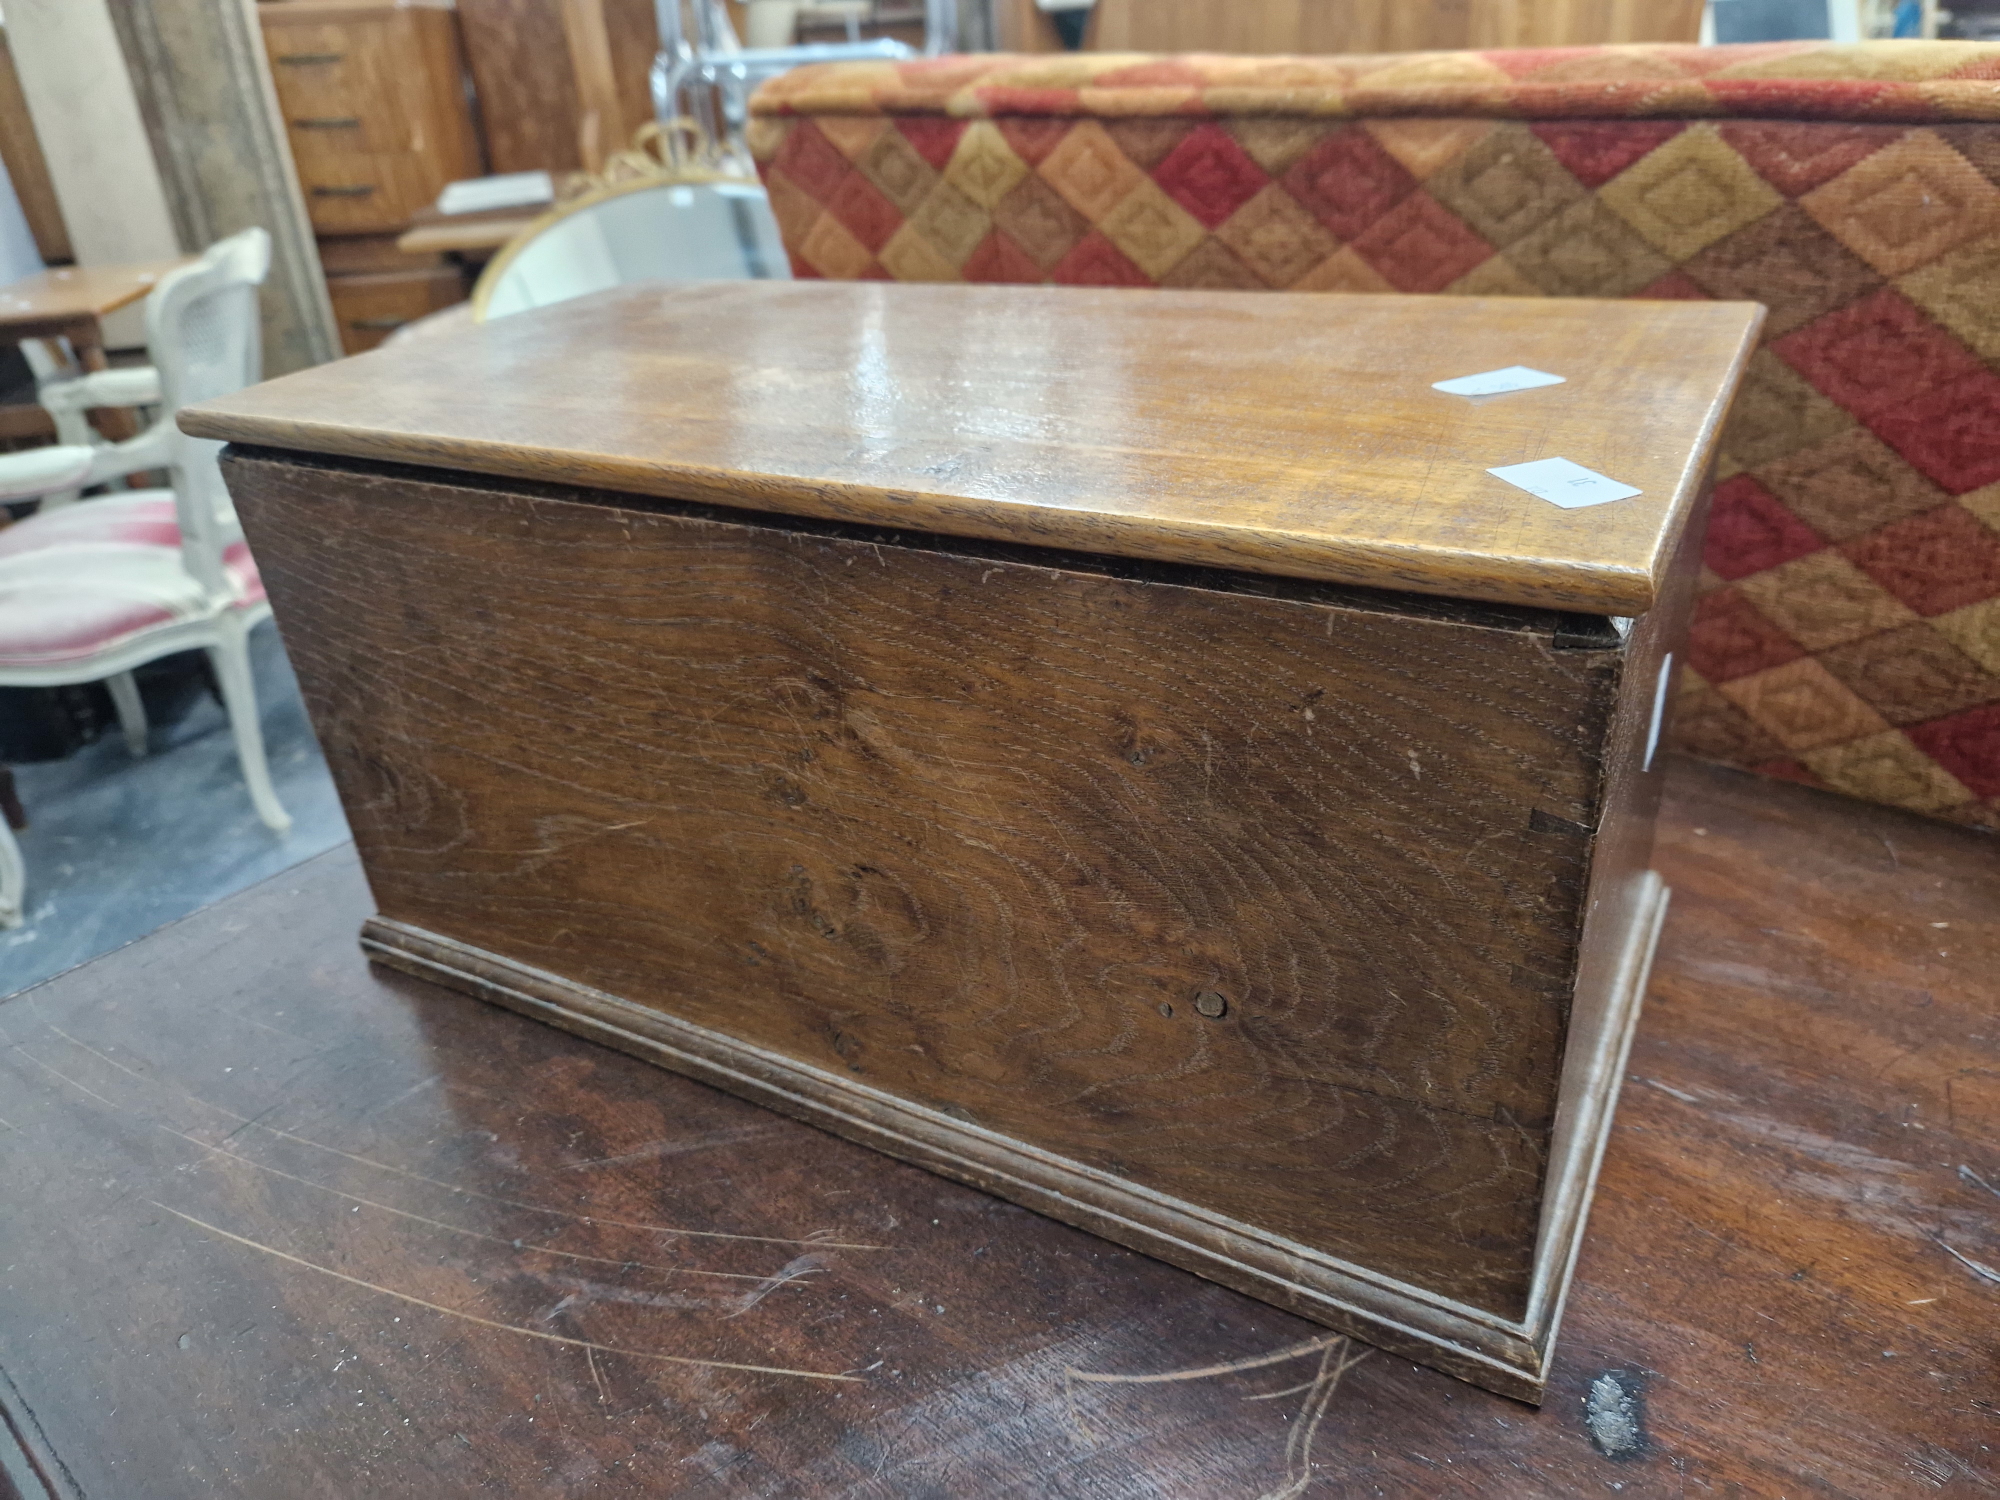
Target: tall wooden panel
x,y
533,97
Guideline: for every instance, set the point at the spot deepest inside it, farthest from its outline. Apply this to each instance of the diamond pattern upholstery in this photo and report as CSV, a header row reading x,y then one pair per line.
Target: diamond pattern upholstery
x,y
1848,634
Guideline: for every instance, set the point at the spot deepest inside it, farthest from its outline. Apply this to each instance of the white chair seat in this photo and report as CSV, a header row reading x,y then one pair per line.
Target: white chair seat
x,y
139,386
136,516
36,471
50,616
91,579
139,518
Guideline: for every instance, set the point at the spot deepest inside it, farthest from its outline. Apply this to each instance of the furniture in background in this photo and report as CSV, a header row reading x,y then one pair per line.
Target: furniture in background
x,y
1288,851
67,304
468,239
374,101
374,105
777,23
377,287
703,77
1849,630
1744,1320
561,83
91,590
70,394
1337,26
27,476
672,228
214,129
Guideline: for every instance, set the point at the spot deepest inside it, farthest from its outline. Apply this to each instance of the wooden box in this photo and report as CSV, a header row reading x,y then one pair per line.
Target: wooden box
x,y
373,96
1120,749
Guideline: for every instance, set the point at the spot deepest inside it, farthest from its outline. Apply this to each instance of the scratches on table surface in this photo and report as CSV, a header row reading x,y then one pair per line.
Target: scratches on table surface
x,y
1776,1275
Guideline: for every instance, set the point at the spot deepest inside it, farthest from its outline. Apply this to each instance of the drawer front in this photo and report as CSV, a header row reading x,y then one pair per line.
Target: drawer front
x,y
358,254
344,132
375,114
358,193
369,308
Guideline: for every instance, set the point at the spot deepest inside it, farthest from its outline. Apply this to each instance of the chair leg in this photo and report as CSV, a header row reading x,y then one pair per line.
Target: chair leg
x,y
13,873
131,710
231,658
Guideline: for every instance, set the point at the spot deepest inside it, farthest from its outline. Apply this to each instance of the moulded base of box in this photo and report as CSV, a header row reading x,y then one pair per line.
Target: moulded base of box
x,y
1479,1347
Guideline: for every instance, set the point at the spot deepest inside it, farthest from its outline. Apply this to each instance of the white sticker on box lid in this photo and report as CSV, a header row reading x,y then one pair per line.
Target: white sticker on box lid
x,y
1497,382
1563,483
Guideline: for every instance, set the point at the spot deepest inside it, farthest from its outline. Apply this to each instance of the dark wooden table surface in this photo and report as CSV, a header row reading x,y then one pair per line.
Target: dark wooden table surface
x,y
278,1225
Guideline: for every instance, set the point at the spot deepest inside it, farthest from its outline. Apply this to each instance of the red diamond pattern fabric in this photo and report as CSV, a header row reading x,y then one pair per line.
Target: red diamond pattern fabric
x,y
935,140
1950,431
1098,262
1937,562
1967,745
1595,151
1209,175
1750,531
1348,182
1848,634
1729,638
1421,246
1872,355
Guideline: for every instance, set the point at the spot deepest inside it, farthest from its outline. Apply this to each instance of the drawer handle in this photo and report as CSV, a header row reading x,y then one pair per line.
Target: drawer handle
x,y
371,324
342,192
309,59
330,123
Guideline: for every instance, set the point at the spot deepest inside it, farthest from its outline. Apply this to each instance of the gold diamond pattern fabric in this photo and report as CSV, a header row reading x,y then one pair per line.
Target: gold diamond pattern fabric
x,y
1848,630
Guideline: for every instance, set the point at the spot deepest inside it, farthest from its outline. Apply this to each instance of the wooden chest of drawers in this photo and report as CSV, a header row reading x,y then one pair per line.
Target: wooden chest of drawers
x,y
1122,749
373,97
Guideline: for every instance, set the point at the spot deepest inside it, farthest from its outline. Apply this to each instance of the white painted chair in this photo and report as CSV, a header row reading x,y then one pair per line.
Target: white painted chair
x,y
69,394
13,875
90,591
23,476
696,228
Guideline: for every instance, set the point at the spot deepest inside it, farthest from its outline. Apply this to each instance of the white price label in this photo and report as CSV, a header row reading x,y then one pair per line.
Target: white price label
x,y
1563,483
1497,382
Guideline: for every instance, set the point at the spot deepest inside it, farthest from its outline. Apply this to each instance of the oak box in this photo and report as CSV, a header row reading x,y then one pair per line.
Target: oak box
x,y
1121,749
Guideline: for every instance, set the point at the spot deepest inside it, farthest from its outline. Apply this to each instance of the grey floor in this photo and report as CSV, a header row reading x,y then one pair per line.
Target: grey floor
x,y
116,847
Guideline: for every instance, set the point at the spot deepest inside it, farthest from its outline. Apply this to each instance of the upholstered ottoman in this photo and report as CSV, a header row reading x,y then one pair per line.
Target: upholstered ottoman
x,y
1848,631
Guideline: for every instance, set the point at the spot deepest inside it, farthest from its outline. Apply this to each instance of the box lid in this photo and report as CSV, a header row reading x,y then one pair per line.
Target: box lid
x,y
1296,434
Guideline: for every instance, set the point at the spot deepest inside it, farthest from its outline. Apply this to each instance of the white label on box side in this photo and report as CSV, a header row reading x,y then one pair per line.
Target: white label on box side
x,y
1659,709
1497,382
1563,483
